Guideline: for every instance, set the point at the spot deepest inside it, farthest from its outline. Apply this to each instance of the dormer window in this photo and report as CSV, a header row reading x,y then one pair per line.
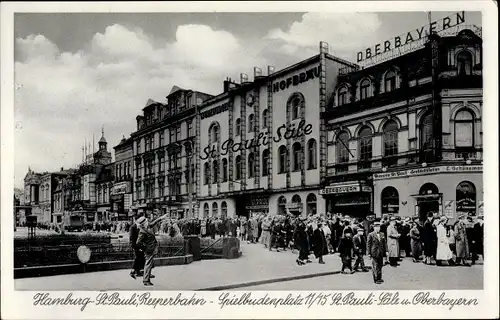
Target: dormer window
x,y
364,89
390,81
342,95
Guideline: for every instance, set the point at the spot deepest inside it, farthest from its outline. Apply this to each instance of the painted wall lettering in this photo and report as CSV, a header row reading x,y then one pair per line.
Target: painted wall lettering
x,y
297,79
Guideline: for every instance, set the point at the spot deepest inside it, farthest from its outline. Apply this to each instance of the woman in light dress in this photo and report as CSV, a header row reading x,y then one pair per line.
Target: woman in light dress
x,y
443,252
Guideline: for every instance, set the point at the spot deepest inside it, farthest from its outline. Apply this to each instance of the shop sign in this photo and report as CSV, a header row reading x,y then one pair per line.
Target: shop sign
x,y
212,112
449,208
341,189
466,205
283,132
297,79
121,188
425,171
411,37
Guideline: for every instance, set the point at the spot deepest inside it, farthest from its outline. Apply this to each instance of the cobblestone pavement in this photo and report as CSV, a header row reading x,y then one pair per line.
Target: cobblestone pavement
x,y
259,265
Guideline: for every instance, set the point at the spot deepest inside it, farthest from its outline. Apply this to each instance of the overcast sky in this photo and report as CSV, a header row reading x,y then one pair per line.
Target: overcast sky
x,y
77,72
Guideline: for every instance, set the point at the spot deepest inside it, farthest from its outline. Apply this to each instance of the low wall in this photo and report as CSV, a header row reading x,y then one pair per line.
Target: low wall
x,y
44,271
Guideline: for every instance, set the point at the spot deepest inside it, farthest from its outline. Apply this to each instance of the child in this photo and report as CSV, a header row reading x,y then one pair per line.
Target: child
x,y
346,246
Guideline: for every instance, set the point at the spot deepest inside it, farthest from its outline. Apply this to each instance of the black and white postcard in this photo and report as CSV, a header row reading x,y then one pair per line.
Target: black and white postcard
x,y
249,160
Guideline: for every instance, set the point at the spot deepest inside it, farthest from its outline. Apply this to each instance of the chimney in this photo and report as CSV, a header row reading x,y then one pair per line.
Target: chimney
x,y
62,168
226,84
243,78
323,47
270,70
257,72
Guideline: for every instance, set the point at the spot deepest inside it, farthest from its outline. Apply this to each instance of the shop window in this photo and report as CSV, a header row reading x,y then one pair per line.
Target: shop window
x,y
265,162
390,201
312,154
364,89
311,204
265,118
282,205
426,137
237,167
251,165
342,95
464,63
223,209
466,198
251,122
297,156
464,129
224,170
206,210
390,81
365,147
428,188
282,159
215,210
215,170
238,127
390,138
206,172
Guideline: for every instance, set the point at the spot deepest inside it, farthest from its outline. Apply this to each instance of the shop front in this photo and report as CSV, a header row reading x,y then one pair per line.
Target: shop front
x,y
348,198
442,190
120,200
249,205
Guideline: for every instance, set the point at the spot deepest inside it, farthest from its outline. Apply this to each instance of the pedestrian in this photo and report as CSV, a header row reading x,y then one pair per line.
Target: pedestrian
x,y
147,242
139,260
359,242
429,238
346,247
478,234
301,241
376,248
255,229
393,242
443,251
320,247
416,246
461,241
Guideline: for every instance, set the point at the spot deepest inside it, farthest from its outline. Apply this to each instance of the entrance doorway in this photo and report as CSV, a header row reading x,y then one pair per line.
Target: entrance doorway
x,y
426,206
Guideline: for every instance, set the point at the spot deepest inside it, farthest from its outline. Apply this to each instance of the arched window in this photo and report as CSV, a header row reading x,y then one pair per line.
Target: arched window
x,y
390,201
342,147
364,89
365,144
342,95
464,129
224,170
390,81
282,205
238,127
311,204
215,171
251,165
237,167
466,198
426,132
214,133
296,199
282,152
464,63
206,171
297,156
223,209
251,122
428,188
390,138
295,108
206,211
265,162
312,162
215,209
265,118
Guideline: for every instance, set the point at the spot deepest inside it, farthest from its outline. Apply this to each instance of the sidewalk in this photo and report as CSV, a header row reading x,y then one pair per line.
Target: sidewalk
x,y
256,266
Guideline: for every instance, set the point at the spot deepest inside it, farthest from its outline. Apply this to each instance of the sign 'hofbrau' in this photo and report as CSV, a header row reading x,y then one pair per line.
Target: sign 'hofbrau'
x,y
412,36
263,138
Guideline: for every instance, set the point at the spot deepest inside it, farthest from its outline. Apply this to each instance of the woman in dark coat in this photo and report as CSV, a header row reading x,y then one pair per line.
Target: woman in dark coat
x,y
320,247
416,246
301,242
429,238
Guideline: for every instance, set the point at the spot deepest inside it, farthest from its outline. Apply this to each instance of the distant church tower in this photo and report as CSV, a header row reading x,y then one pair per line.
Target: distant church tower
x,y
102,156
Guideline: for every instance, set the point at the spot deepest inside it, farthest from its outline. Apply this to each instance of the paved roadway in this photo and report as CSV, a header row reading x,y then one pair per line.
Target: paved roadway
x,y
258,266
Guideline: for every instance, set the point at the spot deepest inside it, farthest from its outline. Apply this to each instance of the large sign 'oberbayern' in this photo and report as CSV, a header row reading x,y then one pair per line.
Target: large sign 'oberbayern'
x,y
263,138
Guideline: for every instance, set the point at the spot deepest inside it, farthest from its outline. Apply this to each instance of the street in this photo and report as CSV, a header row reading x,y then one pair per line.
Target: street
x,y
261,269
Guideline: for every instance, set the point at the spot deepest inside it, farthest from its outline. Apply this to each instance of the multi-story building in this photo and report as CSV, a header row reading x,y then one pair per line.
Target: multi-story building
x,y
163,148
121,194
405,135
104,186
62,194
261,144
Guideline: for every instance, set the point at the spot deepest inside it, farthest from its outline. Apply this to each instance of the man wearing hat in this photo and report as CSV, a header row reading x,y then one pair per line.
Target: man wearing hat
x,y
138,254
461,240
147,242
376,248
360,250
393,242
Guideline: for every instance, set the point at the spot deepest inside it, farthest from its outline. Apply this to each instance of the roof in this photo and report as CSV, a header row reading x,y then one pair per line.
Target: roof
x,y
175,89
102,140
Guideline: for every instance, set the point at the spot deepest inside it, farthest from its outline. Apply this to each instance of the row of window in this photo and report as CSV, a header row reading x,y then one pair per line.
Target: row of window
x,y
123,170
297,155
215,210
310,204
391,80
174,188
174,135
463,132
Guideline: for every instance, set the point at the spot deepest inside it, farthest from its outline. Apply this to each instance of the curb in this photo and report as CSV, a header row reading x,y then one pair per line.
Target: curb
x,y
261,282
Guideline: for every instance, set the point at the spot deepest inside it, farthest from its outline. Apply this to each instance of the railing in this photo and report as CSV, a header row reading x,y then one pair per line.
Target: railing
x,y
212,245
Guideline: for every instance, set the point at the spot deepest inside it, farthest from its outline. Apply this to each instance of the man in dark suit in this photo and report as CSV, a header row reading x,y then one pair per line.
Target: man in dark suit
x,y
360,250
138,254
377,249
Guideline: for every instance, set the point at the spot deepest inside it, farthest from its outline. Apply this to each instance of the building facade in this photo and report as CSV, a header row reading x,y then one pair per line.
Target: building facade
x,y
163,154
261,144
405,135
121,194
